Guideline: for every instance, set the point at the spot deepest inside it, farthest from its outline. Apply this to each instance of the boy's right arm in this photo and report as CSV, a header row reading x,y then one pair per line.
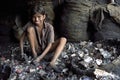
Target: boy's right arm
x,y
22,43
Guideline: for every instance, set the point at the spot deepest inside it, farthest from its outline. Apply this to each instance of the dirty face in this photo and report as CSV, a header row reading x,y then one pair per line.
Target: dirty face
x,y
38,19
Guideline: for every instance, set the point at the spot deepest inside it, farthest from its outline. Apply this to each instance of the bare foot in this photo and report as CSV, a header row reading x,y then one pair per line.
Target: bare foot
x,y
55,67
52,64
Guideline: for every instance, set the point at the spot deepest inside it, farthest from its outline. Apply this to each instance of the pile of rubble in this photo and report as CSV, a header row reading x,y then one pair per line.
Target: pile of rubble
x,y
78,61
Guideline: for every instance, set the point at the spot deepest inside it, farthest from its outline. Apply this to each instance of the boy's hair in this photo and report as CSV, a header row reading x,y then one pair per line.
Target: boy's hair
x,y
37,9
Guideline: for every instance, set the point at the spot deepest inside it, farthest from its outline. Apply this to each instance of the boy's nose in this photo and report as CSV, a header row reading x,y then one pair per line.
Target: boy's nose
x,y
36,19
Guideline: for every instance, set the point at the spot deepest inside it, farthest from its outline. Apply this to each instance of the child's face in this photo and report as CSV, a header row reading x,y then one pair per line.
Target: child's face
x,y
38,18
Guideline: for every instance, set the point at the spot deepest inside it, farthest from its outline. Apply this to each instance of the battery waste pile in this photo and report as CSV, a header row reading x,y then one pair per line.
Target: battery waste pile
x,y
84,60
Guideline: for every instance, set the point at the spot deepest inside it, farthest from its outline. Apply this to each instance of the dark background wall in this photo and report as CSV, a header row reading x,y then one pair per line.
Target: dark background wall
x,y
10,8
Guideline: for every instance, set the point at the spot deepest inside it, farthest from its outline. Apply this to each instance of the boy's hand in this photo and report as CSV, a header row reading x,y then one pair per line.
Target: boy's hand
x,y
23,55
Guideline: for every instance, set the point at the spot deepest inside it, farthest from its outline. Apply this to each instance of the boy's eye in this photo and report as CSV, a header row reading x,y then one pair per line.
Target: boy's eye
x,y
39,16
36,17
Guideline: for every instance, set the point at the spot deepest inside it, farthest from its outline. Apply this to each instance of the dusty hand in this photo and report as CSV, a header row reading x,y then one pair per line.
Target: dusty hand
x,y
24,55
38,59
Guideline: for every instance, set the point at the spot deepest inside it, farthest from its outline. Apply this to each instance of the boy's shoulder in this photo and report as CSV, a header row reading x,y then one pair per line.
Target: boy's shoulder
x,y
47,24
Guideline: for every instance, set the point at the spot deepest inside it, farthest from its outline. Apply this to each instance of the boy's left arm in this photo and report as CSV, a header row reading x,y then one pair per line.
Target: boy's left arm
x,y
47,49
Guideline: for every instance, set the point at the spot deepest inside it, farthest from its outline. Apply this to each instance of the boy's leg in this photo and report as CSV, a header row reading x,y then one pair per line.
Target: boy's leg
x,y
57,48
32,39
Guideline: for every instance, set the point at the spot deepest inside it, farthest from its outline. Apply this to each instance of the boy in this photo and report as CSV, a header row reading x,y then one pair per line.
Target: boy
x,y
41,36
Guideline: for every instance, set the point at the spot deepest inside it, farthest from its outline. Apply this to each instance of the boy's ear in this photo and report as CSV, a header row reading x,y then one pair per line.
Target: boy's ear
x,y
44,16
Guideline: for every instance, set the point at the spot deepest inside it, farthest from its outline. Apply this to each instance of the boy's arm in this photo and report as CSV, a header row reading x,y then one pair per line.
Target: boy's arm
x,y
21,43
47,49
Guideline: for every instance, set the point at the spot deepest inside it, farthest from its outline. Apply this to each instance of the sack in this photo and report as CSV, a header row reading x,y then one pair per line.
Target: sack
x,y
74,19
17,28
114,12
105,23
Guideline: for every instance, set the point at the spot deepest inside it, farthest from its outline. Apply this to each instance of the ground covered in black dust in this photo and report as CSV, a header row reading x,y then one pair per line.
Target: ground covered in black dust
x,y
78,61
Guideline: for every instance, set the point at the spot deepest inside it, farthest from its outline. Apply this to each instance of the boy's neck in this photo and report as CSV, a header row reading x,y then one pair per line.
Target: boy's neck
x,y
40,26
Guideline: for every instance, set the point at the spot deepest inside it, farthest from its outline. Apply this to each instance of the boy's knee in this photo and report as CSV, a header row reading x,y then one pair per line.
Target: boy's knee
x,y
30,30
63,39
